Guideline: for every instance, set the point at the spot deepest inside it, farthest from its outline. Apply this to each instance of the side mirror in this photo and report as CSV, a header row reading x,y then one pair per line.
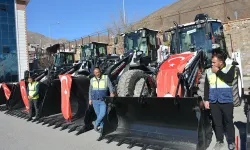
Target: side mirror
x,y
116,40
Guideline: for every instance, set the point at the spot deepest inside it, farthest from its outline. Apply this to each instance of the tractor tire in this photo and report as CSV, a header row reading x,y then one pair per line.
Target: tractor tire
x,y
237,89
200,91
205,130
127,82
139,87
246,108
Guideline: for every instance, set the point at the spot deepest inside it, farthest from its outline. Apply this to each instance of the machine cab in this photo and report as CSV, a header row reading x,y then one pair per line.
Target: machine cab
x,y
143,43
64,58
93,49
204,34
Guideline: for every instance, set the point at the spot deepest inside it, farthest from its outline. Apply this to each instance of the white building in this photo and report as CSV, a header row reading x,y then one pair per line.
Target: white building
x,y
13,40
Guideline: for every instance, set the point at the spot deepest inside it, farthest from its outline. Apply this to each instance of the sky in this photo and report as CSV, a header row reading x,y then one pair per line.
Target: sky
x,y
78,18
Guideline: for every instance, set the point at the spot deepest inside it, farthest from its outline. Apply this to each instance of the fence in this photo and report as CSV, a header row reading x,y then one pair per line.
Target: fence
x,y
225,10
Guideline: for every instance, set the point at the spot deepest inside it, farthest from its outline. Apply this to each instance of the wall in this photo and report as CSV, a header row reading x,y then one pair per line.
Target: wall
x,y
240,34
22,49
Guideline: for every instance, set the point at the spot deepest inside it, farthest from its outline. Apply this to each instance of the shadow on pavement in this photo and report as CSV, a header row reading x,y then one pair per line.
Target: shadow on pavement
x,y
242,132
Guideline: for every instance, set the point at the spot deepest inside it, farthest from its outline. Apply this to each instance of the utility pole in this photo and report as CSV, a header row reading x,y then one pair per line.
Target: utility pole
x,y
124,13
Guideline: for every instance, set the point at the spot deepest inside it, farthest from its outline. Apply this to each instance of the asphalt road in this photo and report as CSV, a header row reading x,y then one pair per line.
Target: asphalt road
x,y
240,121
18,134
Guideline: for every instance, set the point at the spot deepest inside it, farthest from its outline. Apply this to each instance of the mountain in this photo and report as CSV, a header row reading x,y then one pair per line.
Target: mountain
x,y
184,11
37,38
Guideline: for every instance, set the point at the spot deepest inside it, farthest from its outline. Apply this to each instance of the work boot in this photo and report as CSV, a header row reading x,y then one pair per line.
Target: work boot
x,y
231,146
218,146
96,128
29,119
101,134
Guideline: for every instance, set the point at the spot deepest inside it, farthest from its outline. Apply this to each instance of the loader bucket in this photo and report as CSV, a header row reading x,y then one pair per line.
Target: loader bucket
x,y
6,94
15,104
153,123
47,102
54,114
2,96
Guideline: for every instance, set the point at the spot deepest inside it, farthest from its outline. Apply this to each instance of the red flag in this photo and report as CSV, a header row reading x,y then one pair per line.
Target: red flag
x,y
6,90
24,95
66,81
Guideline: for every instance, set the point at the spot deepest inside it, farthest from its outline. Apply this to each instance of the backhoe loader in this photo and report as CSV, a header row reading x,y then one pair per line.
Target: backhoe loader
x,y
17,100
62,61
95,54
73,83
163,108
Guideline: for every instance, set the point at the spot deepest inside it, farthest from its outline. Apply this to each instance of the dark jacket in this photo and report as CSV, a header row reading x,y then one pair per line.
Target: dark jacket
x,y
218,95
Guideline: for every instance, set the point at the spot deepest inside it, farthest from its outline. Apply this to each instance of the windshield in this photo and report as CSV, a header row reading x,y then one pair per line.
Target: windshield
x,y
87,52
64,58
99,50
134,41
192,37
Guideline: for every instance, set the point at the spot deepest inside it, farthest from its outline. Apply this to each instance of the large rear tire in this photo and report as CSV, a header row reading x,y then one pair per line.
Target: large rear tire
x,y
237,89
127,82
205,130
141,89
201,85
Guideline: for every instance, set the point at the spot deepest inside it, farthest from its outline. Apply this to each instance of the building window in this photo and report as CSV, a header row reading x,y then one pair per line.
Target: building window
x,y
6,49
3,7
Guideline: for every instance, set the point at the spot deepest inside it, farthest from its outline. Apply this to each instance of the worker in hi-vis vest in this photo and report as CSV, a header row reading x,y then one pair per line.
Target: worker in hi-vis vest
x,y
100,85
33,96
218,96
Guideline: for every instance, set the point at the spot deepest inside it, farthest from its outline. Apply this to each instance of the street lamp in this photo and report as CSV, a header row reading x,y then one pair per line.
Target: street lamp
x,y
50,29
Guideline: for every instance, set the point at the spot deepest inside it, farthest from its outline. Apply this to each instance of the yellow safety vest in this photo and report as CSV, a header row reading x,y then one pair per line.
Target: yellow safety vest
x,y
218,89
99,89
32,90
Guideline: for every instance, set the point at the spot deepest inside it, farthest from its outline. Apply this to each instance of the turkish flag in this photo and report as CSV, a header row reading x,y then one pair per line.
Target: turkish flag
x,y
66,81
6,90
24,95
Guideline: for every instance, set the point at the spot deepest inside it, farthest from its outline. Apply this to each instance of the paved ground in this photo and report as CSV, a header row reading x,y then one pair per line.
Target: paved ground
x,y
240,121
240,129
17,134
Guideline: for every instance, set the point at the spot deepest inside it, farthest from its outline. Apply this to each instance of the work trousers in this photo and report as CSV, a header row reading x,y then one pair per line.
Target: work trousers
x,y
33,104
222,115
100,110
